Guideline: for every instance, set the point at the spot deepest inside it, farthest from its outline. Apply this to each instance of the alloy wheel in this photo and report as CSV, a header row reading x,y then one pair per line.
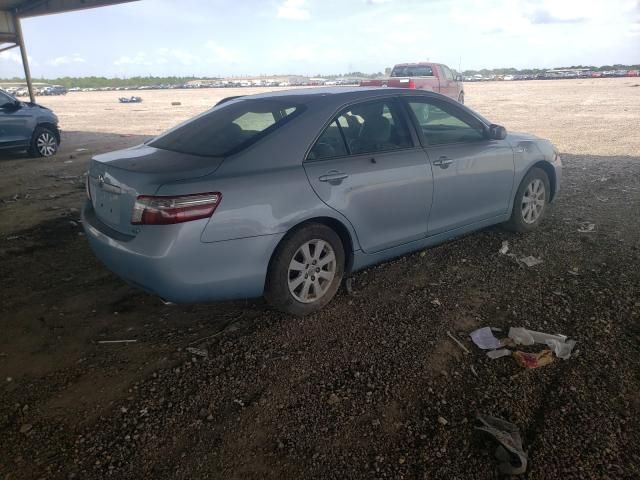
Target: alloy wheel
x,y
46,144
533,201
311,271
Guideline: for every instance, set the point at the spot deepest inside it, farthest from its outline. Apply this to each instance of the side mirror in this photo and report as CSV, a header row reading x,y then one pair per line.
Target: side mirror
x,y
497,132
11,105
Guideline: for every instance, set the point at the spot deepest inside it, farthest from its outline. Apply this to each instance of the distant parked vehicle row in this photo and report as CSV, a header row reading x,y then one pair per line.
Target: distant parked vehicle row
x,y
554,75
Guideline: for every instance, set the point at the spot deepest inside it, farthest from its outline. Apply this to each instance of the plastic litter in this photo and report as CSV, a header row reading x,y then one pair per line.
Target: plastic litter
x,y
505,247
523,336
513,459
533,360
561,349
530,261
483,338
503,352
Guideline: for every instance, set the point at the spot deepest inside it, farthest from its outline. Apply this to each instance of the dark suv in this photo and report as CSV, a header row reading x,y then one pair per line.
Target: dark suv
x,y
27,126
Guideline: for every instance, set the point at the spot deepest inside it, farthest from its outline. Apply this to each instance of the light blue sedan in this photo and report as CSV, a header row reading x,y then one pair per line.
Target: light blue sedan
x,y
284,193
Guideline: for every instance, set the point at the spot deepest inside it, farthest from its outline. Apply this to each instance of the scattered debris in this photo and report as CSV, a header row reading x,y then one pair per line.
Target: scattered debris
x,y
505,247
586,227
26,428
513,460
116,341
483,338
530,261
176,103
82,149
533,360
198,351
503,352
574,271
436,302
458,342
442,421
473,370
130,99
423,253
14,237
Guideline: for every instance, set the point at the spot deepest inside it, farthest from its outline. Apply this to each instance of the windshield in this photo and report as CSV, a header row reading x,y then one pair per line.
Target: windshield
x,y
227,129
412,71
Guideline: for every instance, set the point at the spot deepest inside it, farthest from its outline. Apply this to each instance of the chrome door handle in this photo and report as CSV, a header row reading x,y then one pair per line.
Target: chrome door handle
x,y
443,162
333,176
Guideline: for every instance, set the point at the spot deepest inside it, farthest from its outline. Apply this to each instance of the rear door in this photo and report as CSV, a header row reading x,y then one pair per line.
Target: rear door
x,y
473,176
366,166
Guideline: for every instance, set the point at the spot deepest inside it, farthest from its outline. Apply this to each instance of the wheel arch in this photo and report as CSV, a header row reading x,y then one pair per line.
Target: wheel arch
x,y
336,225
547,168
50,126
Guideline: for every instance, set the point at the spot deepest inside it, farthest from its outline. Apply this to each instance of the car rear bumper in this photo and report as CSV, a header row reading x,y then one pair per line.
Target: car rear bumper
x,y
170,260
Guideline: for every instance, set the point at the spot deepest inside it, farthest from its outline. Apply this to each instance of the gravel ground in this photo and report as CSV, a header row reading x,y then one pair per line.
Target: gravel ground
x,y
371,387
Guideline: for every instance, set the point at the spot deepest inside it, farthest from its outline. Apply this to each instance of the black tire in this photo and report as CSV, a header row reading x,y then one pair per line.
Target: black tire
x,y
517,221
461,98
44,143
277,291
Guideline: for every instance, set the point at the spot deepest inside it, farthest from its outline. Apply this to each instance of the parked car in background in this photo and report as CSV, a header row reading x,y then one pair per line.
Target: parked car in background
x,y
27,126
281,194
434,77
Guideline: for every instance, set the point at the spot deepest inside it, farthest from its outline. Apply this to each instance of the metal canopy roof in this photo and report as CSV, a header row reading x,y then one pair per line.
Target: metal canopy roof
x,y
32,8
11,11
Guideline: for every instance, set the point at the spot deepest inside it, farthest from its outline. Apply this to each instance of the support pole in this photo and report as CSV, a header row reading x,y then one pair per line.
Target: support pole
x,y
8,48
23,52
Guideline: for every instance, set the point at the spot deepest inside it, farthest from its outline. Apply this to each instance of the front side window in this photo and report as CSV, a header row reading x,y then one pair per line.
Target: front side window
x,y
365,128
447,73
5,98
441,123
228,128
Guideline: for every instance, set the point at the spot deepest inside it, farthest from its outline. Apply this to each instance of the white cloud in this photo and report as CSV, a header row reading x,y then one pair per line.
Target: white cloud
x,y
218,53
66,60
294,10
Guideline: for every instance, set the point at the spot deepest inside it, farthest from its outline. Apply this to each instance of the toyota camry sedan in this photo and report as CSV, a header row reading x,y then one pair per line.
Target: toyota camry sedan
x,y
282,194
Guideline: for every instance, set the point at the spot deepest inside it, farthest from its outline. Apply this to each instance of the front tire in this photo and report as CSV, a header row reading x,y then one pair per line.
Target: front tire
x,y
530,203
44,143
306,270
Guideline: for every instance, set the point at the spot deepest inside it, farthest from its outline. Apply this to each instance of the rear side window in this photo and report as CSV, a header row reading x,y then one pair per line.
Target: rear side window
x,y
412,71
447,73
227,129
364,128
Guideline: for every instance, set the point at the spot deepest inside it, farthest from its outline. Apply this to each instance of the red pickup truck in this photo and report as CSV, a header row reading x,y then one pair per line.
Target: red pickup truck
x,y
425,76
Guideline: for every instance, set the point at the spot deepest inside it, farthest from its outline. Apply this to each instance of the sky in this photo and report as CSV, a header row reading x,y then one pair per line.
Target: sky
x,y
253,37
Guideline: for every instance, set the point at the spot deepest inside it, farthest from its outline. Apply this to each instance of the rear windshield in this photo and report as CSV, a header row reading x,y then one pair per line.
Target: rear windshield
x,y
227,129
412,71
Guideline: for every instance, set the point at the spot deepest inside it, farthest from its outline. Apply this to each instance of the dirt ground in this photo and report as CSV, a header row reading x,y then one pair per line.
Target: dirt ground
x,y
355,391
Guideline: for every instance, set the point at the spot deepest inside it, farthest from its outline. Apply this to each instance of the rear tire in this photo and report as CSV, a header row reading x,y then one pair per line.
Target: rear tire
x,y
306,270
530,202
44,143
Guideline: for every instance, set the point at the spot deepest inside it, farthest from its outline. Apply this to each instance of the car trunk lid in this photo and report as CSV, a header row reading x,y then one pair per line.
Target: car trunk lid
x,y
116,179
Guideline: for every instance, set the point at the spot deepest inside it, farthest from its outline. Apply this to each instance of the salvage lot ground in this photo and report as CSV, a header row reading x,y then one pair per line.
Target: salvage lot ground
x,y
356,390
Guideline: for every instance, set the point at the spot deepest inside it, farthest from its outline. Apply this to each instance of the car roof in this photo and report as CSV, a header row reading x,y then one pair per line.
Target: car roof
x,y
336,94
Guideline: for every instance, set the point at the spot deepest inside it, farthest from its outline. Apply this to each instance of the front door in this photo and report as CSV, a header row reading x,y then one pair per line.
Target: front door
x,y
472,175
365,166
14,121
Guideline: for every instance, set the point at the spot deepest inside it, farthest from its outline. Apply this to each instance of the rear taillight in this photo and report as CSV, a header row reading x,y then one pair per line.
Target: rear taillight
x,y
412,84
150,210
